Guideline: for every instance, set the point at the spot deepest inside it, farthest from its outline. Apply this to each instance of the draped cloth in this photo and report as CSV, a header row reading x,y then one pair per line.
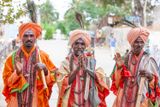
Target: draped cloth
x,y
126,87
26,89
73,95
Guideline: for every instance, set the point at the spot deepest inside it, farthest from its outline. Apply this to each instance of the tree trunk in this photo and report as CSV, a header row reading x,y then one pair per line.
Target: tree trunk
x,y
133,6
144,14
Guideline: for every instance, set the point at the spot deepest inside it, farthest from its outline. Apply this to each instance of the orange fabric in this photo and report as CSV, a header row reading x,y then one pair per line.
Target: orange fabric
x,y
41,96
119,91
62,91
16,81
134,33
103,90
30,26
76,34
118,78
26,53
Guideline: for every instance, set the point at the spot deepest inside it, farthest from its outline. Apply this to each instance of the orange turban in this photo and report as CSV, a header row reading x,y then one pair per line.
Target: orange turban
x,y
77,34
37,30
134,33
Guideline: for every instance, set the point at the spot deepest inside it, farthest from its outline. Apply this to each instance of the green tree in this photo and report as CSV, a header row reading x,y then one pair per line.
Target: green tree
x,y
8,12
61,25
94,10
70,22
47,13
50,29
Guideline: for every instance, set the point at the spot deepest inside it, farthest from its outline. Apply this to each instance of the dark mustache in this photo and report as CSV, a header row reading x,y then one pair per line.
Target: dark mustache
x,y
138,47
28,41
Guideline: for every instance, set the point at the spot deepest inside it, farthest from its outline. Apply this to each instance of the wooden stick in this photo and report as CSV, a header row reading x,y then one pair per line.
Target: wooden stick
x,y
139,96
43,80
42,75
86,92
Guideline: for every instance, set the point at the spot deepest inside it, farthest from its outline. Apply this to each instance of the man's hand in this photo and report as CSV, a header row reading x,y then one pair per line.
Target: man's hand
x,y
81,60
148,75
40,66
18,66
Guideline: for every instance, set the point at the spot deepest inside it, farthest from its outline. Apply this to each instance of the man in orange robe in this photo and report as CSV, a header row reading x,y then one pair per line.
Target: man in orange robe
x,y
27,70
128,72
79,84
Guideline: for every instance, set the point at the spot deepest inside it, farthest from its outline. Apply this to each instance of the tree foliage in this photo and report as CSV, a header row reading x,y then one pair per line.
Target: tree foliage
x,y
48,16
8,12
47,13
94,10
49,31
111,2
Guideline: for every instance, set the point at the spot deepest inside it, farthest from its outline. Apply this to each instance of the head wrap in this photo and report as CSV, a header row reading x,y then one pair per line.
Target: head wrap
x,y
30,26
134,33
77,34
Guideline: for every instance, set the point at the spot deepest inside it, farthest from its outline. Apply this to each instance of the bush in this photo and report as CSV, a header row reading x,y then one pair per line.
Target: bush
x,y
49,31
60,25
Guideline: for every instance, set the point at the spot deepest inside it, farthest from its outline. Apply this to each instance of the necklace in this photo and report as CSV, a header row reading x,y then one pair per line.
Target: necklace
x,y
134,61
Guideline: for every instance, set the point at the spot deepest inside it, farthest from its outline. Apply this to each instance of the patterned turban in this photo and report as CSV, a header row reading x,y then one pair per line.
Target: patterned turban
x,y
134,33
77,34
37,30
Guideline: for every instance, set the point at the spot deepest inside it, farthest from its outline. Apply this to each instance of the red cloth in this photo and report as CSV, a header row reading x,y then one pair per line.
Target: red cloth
x,y
124,74
154,91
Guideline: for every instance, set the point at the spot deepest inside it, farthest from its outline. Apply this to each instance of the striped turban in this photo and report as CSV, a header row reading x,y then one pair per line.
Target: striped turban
x,y
134,33
77,34
37,30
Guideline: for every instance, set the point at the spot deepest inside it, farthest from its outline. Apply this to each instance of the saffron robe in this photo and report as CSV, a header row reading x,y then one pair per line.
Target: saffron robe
x,y
68,93
17,84
125,83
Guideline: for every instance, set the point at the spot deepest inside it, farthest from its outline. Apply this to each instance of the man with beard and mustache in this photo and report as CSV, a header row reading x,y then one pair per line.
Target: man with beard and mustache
x,y
79,84
128,72
26,70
